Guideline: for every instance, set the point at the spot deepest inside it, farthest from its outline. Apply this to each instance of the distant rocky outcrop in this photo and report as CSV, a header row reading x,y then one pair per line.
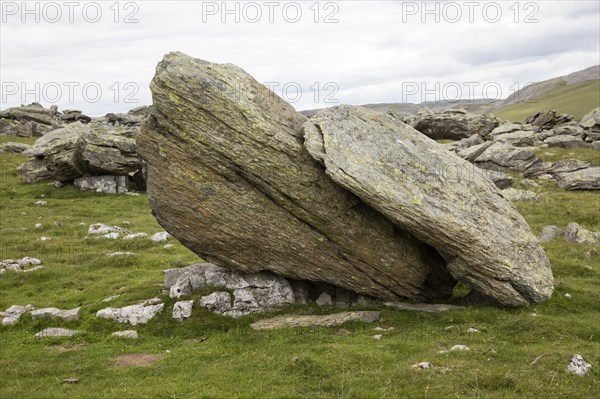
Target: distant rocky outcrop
x,y
232,177
80,150
452,124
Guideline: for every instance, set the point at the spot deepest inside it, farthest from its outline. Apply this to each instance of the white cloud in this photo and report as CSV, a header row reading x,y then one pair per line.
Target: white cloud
x,y
375,48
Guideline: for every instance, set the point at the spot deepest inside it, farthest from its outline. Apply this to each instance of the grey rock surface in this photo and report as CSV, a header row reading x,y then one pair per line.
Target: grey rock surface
x,y
134,314
54,313
454,124
551,233
315,320
391,167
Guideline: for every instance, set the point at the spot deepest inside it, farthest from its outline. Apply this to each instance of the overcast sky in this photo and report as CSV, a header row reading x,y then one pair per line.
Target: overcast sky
x,y
101,56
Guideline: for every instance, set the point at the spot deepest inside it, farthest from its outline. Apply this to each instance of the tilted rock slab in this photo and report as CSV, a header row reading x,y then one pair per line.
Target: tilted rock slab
x,y
429,192
229,177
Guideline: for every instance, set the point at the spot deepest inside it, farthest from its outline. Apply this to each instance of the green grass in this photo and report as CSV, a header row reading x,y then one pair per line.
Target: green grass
x,y
210,356
577,99
557,154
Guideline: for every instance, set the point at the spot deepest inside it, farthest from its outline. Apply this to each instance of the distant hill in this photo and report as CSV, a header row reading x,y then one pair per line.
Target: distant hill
x,y
575,94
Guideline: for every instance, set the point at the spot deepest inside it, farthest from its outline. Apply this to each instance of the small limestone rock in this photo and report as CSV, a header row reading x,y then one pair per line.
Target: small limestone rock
x,y
135,235
567,295
512,194
134,314
55,332
100,228
110,236
110,298
13,314
168,246
161,236
473,330
459,348
71,381
54,313
112,254
26,261
383,329
128,334
550,233
578,366
377,337
324,300
38,225
183,287
182,310
422,366
578,235
40,203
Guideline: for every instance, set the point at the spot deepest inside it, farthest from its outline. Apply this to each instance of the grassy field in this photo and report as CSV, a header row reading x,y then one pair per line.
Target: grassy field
x,y
576,99
518,353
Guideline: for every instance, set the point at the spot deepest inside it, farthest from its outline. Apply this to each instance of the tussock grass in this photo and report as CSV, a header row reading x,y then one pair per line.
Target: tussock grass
x,y
209,356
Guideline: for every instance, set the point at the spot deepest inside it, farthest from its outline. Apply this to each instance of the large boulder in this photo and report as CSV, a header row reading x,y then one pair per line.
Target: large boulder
x,y
454,124
583,179
80,150
229,177
31,120
436,196
505,157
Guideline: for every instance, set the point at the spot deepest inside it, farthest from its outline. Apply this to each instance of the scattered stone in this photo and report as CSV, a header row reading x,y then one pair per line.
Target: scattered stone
x,y
40,203
500,179
100,228
550,233
55,332
70,381
161,236
377,337
182,310
324,299
505,157
13,314
54,313
16,148
512,194
528,183
565,142
109,236
134,314
454,124
135,235
19,266
128,334
38,225
384,329
422,366
44,238
583,179
473,330
151,301
110,298
578,366
315,320
168,246
422,307
567,295
112,254
183,287
578,235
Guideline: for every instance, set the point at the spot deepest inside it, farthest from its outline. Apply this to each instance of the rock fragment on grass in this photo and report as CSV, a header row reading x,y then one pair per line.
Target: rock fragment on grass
x,y
128,334
578,366
161,236
54,313
578,235
550,233
324,299
134,314
182,310
315,320
55,332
